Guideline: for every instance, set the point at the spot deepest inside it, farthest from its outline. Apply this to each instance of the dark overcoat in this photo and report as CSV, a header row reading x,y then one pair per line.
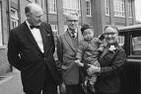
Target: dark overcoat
x,y
111,63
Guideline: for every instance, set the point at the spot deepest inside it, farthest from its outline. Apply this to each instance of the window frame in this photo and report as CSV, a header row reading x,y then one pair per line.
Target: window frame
x,y
107,8
88,8
52,6
54,29
130,13
119,8
134,44
1,28
71,7
14,18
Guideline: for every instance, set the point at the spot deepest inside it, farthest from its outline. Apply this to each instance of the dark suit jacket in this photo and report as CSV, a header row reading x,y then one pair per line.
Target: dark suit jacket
x,y
25,55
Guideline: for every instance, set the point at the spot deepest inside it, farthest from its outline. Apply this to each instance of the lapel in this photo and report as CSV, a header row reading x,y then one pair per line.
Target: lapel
x,y
44,38
30,36
69,41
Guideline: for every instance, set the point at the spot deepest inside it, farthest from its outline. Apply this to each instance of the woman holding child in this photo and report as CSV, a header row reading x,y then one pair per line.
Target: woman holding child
x,y
111,57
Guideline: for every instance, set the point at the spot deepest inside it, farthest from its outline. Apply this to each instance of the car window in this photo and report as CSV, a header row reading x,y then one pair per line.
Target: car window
x,y
121,40
136,45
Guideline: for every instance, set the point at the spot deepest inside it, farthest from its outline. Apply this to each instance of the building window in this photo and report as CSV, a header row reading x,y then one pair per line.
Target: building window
x,y
107,8
88,7
52,6
71,6
1,36
41,3
55,32
14,18
136,44
54,29
119,8
130,9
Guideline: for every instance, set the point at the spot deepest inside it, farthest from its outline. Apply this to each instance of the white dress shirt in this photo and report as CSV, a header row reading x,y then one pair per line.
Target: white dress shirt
x,y
37,36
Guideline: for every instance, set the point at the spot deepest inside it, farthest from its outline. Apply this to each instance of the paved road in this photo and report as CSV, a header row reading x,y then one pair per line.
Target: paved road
x,y
12,85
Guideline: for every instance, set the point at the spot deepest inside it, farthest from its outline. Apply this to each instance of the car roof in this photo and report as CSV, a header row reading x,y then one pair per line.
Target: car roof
x,y
133,28
130,28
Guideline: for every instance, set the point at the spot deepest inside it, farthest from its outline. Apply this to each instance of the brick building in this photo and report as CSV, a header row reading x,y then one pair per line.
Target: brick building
x,y
97,13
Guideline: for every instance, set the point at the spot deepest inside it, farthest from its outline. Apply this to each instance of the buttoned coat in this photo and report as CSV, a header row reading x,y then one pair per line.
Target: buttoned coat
x,y
111,63
66,51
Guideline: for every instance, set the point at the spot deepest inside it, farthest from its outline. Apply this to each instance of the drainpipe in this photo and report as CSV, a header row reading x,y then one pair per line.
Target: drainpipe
x,y
47,11
19,11
8,15
81,12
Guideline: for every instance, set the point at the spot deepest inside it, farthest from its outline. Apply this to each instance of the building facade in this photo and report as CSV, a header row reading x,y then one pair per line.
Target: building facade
x,y
97,13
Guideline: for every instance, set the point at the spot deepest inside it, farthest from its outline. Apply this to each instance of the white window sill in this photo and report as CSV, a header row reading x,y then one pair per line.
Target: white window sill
x,y
88,15
3,47
52,12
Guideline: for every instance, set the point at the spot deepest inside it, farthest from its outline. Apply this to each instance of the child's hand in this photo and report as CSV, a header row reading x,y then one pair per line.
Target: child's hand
x,y
79,63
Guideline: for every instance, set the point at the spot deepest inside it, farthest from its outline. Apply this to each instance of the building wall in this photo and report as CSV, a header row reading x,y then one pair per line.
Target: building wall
x,y
23,3
99,16
60,16
123,21
4,65
98,19
6,25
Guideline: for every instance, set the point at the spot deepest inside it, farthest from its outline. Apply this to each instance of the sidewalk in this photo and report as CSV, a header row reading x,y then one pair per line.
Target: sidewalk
x,y
12,84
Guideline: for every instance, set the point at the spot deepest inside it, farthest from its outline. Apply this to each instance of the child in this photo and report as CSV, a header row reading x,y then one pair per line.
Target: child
x,y
87,54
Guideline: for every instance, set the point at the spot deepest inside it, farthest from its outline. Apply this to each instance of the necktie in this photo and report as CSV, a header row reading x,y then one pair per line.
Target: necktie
x,y
32,26
73,34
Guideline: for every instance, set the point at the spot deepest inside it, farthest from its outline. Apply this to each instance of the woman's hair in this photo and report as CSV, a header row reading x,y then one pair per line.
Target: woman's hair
x,y
84,27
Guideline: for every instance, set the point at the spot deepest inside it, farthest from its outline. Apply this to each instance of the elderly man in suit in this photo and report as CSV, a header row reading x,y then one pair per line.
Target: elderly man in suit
x,y
67,45
30,50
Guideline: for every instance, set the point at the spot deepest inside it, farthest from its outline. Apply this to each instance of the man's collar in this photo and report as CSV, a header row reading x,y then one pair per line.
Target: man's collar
x,y
28,24
73,33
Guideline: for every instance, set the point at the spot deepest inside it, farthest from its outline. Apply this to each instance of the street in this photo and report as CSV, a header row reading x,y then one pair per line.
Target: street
x,y
12,84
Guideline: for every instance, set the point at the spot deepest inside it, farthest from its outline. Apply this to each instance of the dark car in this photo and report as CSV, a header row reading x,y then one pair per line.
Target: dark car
x,y
130,39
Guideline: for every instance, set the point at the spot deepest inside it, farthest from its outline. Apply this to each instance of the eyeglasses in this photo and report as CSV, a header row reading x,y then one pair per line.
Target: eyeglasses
x,y
72,20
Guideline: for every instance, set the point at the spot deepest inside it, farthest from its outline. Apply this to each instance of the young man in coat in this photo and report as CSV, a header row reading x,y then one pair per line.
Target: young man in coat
x,y
30,50
67,45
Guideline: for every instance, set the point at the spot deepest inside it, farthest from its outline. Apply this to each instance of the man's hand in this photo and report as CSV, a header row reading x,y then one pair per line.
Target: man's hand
x,y
93,69
79,63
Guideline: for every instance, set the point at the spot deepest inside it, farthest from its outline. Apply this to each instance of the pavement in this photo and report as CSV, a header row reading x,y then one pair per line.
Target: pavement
x,y
11,84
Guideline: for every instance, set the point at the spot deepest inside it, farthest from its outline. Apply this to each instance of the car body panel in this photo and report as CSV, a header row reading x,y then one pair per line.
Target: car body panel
x,y
131,77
